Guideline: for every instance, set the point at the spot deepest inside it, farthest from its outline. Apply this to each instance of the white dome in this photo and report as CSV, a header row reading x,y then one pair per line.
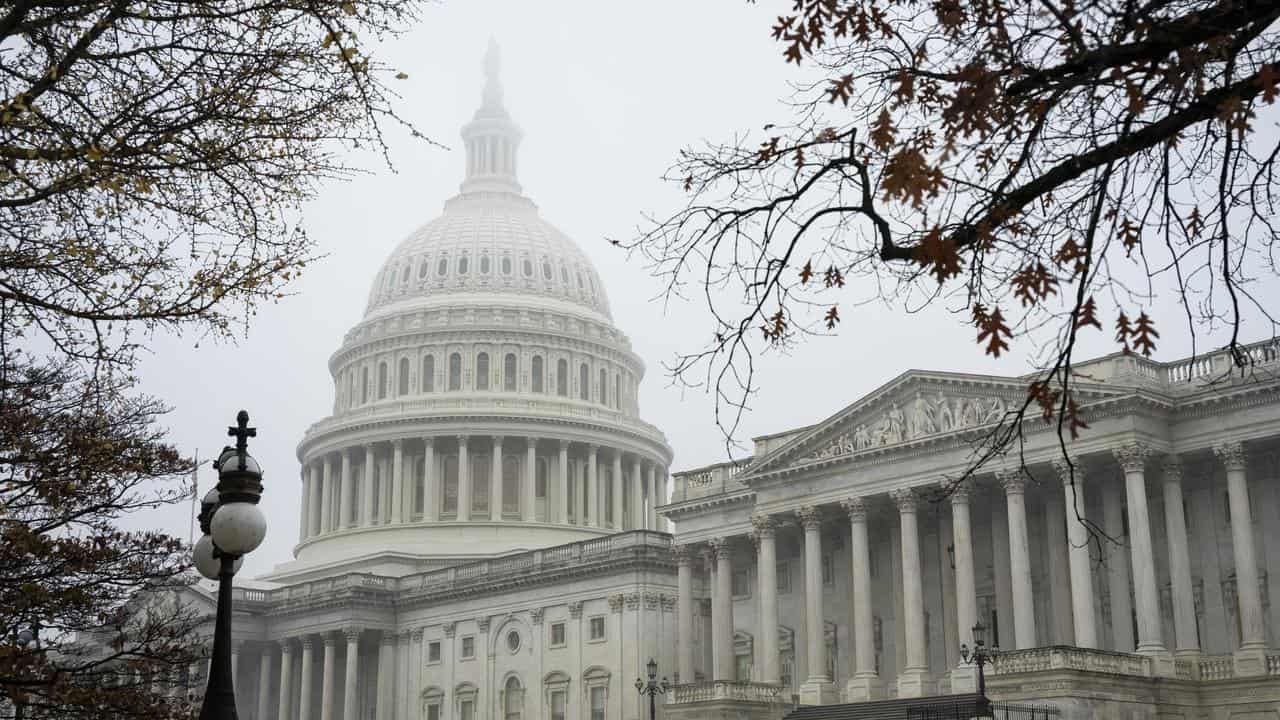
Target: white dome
x,y
492,243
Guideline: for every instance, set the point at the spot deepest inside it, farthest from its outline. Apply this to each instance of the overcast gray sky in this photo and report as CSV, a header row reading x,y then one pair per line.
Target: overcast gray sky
x,y
606,93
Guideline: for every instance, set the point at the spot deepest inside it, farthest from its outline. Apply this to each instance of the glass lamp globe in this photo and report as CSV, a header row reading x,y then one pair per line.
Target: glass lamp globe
x,y
238,528
208,565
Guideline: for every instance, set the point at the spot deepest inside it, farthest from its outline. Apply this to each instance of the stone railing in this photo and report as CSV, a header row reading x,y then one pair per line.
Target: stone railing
x,y
712,480
1273,664
621,546
724,690
1217,667
1188,373
1184,669
1065,657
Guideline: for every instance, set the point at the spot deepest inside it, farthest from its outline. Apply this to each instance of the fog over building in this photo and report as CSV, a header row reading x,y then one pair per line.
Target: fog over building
x,y
485,516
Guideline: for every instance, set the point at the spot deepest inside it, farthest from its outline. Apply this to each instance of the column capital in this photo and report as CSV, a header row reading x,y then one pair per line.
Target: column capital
x,y
352,634
308,642
483,623
462,441
497,440
1171,468
531,441
957,492
855,508
564,445
763,525
416,634
1132,456
1012,480
398,443
404,636
330,640
721,548
1231,455
615,602
536,615
428,441
683,555
1070,469
388,638
368,447
905,499
450,629
286,647
346,453
593,449
810,517
575,610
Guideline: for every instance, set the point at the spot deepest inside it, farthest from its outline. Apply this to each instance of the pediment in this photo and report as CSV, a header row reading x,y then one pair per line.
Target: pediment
x,y
915,406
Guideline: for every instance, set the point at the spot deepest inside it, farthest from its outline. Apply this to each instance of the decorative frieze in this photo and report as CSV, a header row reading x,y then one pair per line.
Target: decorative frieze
x,y
924,416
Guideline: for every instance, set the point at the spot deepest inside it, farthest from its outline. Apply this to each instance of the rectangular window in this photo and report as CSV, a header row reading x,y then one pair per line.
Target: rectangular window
x,y
558,705
557,634
597,627
741,583
597,703
467,710
433,712
828,570
433,651
742,666
784,577
468,647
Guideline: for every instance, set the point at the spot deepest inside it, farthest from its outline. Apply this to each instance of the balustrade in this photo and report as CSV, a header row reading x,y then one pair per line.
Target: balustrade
x,y
725,690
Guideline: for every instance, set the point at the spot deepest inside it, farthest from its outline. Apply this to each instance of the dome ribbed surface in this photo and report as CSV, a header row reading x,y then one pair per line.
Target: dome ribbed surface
x,y
488,242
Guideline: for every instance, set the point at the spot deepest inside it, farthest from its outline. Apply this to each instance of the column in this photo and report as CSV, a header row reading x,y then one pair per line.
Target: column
x,y
1251,656
617,489
366,487
304,695
313,508
326,677
304,524
529,506
286,681
914,680
350,700
562,485
327,497
386,675
1024,619
495,479
684,612
816,689
652,520
429,493
1082,617
767,576
592,496
1186,642
637,495
348,494
1146,598
963,678
264,682
1117,568
464,480
865,682
661,482
397,482
723,665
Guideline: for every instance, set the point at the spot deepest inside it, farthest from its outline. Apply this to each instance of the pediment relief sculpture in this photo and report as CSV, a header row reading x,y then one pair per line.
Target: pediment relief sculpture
x,y
921,417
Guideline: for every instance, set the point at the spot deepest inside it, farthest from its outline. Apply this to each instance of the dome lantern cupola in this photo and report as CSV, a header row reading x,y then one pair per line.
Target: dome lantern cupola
x,y
491,138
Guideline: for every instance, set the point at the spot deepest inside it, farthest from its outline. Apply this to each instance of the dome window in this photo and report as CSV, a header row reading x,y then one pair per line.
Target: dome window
x,y
402,381
535,376
584,382
506,265
546,270
482,371
562,378
528,267
404,277
429,373
580,286
382,380
462,265
604,387
422,270
455,372
484,264
509,372
442,267
364,385
564,276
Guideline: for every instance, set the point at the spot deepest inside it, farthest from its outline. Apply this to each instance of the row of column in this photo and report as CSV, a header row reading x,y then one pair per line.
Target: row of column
x,y
914,680
330,486
310,650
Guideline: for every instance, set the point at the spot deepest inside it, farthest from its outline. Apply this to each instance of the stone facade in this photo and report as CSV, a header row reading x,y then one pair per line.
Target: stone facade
x,y
858,563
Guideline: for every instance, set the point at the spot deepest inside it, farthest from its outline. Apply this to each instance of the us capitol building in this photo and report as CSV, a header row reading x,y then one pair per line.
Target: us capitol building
x,y
484,521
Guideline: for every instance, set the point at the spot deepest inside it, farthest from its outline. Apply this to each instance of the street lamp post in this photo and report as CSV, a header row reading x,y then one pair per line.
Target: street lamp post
x,y
28,639
233,526
980,655
653,688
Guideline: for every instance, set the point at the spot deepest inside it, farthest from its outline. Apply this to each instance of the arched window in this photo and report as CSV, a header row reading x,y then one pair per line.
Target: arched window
x,y
535,374
528,268
510,486
513,699
617,391
506,265
382,380
402,382
482,371
484,264
562,378
404,277
422,270
564,276
462,265
584,382
351,393
364,385
509,372
455,372
429,373
604,387
579,279
546,270
449,503
442,267
540,481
